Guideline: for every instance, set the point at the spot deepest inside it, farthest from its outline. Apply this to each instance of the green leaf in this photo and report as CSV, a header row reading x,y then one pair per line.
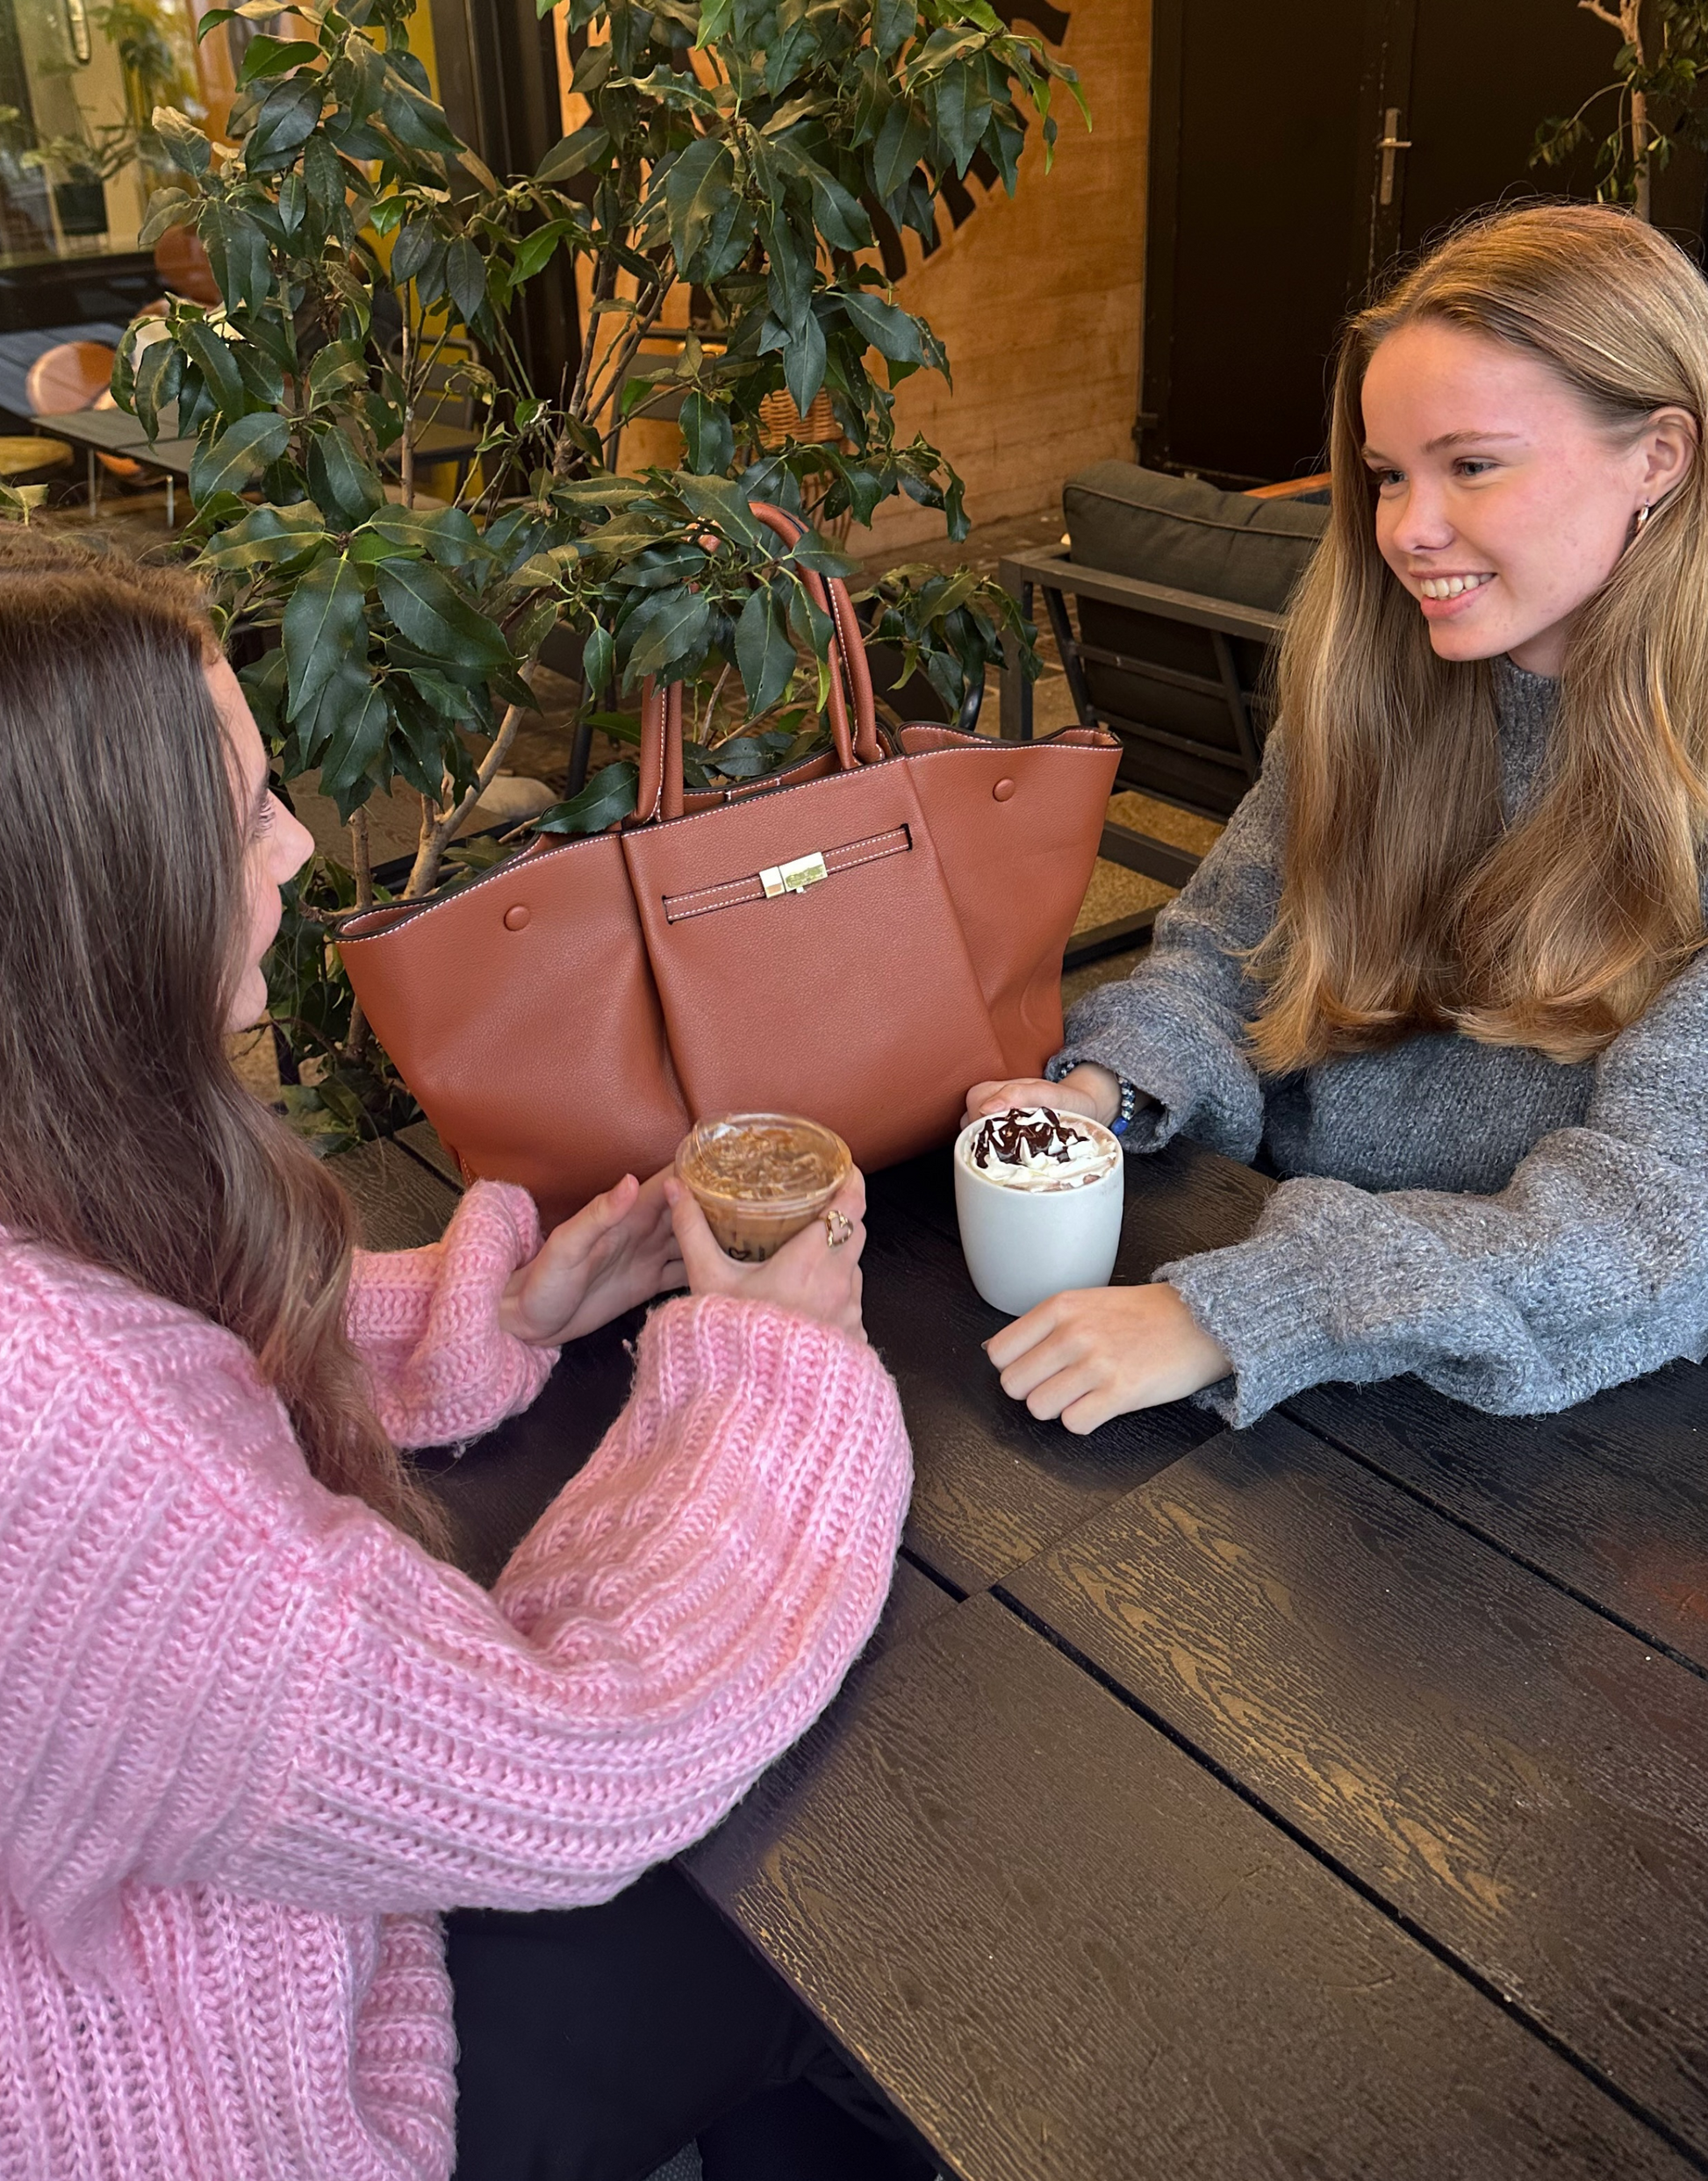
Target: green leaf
x,y
447,534
790,264
813,630
765,657
324,625
889,329
963,111
893,23
158,376
817,553
272,56
417,123
900,148
465,275
212,353
667,627
287,120
356,741
238,454
709,438
804,362
325,182
722,501
237,251
186,145
610,796
599,658
336,369
533,254
167,208
411,250
702,180
344,487
838,217
436,618
574,154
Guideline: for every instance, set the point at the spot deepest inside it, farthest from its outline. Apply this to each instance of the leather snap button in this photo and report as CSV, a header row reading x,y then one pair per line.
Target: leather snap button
x,y
516,916
1003,790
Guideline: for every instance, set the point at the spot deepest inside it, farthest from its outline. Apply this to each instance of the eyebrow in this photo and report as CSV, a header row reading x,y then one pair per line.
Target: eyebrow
x,y
1448,439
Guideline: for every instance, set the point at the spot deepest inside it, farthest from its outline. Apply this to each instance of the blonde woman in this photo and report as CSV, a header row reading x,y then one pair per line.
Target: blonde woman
x,y
1444,969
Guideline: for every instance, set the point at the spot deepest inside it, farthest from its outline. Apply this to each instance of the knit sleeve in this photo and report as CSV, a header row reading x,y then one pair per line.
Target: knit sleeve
x,y
212,1669
1589,1267
426,1324
1176,1028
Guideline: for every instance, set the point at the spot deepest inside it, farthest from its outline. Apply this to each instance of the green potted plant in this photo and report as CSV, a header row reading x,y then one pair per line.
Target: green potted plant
x,y
367,258
1660,75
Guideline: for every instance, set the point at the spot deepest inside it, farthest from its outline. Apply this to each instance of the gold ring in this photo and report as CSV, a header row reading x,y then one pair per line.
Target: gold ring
x,y
837,1228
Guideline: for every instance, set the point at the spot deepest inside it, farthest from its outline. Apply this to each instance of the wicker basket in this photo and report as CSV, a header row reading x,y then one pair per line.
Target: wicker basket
x,y
779,420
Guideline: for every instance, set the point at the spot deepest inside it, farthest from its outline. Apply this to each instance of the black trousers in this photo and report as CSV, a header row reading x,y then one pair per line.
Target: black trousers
x,y
593,2044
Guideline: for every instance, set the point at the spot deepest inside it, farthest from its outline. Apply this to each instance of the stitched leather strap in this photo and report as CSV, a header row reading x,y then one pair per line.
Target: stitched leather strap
x,y
660,789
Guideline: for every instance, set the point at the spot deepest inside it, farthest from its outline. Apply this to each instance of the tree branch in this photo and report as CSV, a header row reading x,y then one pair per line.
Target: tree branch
x,y
439,828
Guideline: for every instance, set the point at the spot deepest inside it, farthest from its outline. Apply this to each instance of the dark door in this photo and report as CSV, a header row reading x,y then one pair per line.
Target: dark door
x,y
1290,171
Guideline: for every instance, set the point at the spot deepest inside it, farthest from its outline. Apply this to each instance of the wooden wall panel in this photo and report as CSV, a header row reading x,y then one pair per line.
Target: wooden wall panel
x,y
1039,301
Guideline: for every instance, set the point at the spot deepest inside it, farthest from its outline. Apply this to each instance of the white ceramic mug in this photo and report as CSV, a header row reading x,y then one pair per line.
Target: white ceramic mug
x,y
1023,1245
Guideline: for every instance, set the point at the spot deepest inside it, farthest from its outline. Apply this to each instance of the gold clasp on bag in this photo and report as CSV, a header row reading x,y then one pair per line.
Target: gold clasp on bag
x,y
794,878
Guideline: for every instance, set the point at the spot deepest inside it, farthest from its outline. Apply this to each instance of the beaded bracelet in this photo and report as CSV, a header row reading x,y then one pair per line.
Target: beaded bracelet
x,y
1127,1109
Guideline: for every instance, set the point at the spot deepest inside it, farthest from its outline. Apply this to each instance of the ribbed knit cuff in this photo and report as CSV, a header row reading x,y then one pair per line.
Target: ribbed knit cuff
x,y
426,1324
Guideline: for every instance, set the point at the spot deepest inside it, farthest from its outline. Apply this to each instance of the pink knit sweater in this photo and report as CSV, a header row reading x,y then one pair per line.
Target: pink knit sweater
x,y
252,1740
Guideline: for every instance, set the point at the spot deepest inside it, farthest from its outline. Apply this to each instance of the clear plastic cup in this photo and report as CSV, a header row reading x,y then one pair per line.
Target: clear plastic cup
x,y
761,1177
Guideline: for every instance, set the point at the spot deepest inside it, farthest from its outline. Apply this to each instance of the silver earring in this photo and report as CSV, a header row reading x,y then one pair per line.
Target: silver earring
x,y
1643,514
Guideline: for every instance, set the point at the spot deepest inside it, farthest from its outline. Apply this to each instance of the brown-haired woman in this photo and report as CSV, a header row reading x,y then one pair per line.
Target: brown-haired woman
x,y
254,1737
1445,966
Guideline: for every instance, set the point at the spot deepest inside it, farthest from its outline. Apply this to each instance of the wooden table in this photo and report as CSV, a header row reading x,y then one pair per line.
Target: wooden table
x,y
1326,1799
113,432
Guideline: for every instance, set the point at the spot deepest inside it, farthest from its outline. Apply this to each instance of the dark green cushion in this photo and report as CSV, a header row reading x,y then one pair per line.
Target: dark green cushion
x,y
1186,534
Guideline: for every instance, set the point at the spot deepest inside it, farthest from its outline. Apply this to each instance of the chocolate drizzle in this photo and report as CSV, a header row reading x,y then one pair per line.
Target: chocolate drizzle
x,y
1012,1137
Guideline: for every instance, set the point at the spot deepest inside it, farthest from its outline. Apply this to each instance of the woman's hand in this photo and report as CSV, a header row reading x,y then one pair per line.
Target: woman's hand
x,y
806,1275
617,1251
1095,1353
1088,1089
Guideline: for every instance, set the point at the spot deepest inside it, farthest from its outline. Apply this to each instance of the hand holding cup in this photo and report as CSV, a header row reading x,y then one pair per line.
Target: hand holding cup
x,y
816,1274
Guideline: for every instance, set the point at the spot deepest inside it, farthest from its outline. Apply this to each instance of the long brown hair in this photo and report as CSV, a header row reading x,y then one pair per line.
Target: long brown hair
x,y
125,1139
1407,903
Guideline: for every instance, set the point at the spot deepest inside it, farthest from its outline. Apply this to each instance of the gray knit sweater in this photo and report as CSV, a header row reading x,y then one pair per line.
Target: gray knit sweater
x,y
1517,1232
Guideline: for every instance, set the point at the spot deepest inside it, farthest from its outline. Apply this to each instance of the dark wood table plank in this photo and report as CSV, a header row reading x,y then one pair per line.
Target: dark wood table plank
x,y
1069,1954
422,1138
992,1485
1521,1778
1610,1498
399,1203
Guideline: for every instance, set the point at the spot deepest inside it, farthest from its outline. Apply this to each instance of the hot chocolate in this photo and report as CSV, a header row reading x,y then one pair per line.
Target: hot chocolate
x,y
1038,1194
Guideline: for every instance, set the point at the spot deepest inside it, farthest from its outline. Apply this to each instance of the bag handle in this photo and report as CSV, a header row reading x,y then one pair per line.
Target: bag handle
x,y
659,794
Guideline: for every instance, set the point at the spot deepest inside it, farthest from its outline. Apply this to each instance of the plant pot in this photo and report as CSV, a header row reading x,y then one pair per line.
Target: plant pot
x,y
82,207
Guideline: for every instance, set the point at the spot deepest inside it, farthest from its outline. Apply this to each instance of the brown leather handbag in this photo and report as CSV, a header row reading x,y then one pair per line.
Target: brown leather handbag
x,y
857,940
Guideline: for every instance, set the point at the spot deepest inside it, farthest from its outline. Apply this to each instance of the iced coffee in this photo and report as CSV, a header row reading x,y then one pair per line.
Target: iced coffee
x,y
761,1177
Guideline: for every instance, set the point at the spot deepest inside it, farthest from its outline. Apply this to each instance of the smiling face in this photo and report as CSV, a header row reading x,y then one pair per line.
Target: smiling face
x,y
1503,500
276,846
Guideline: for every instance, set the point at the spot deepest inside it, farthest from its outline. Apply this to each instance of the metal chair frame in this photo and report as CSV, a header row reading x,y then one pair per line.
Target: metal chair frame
x,y
1059,578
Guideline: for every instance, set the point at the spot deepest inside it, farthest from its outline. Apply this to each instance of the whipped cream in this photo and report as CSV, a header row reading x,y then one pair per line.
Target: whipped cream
x,y
1034,1147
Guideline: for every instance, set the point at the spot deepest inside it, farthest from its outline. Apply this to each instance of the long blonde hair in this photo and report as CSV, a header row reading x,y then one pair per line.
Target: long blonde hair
x,y
125,1139
1407,903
